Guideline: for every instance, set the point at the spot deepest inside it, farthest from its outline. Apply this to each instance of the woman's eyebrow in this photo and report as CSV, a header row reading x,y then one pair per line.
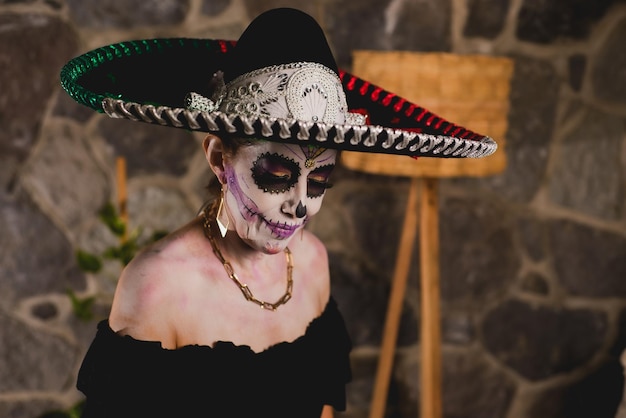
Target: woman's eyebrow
x,y
286,162
325,159
295,153
325,169
273,163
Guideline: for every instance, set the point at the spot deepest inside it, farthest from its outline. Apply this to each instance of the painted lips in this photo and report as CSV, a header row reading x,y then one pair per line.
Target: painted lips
x,y
281,230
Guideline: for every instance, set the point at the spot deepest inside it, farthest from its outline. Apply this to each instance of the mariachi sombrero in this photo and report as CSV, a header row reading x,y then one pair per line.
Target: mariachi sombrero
x,y
278,82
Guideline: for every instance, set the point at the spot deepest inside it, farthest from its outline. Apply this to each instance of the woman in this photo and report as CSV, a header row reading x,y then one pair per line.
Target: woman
x,y
231,315
175,292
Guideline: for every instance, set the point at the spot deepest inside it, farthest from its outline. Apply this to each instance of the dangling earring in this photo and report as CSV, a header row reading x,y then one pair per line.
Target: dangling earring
x,y
223,228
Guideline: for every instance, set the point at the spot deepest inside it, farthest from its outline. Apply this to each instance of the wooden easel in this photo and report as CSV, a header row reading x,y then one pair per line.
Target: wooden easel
x,y
471,91
122,194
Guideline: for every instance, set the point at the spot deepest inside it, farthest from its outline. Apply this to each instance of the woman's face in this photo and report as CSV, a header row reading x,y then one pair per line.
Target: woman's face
x,y
273,189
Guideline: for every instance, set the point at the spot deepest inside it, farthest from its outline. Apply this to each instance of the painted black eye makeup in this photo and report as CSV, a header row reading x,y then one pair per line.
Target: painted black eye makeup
x,y
275,173
317,181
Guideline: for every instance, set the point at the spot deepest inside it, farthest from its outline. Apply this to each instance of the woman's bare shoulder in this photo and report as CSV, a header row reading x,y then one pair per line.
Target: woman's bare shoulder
x,y
150,285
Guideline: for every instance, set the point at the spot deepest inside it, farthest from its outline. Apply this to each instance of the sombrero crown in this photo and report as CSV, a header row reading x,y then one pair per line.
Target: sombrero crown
x,y
282,67
278,82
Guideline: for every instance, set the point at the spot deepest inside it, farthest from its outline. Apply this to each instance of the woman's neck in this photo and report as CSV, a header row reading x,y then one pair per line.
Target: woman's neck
x,y
248,260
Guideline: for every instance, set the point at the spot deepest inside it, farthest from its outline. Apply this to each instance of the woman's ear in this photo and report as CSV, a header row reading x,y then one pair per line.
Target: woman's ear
x,y
214,153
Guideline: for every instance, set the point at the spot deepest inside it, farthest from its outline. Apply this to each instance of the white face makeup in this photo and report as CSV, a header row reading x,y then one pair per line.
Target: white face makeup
x,y
273,189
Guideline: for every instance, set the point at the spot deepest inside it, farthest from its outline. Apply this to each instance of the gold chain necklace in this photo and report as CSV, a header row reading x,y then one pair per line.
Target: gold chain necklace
x,y
247,293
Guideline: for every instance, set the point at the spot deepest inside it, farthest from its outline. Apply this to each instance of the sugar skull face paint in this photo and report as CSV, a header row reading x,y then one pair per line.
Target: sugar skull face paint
x,y
273,189
275,173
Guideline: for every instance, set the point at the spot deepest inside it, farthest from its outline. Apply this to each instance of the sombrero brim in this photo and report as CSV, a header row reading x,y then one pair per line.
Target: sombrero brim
x,y
148,80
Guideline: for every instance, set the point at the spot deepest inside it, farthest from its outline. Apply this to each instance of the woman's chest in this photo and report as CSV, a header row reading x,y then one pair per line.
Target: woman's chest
x,y
229,317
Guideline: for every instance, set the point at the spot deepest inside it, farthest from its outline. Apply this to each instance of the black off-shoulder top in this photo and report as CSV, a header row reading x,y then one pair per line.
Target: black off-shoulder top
x,y
123,377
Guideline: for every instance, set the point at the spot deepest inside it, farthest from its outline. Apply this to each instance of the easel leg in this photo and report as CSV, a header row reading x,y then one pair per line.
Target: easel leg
x,y
396,298
122,194
430,331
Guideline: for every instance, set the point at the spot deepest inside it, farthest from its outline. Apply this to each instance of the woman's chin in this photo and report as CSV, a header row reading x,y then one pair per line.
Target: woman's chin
x,y
276,247
274,250
273,246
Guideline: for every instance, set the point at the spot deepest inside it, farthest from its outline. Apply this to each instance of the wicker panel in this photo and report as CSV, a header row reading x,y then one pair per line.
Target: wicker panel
x,y
469,90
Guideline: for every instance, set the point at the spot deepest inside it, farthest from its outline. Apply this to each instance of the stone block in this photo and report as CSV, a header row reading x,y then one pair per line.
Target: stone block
x,y
542,341
27,409
149,149
486,18
33,360
30,69
363,298
214,7
127,14
589,262
418,26
546,21
473,387
51,175
586,173
35,257
597,394
608,69
478,258
534,96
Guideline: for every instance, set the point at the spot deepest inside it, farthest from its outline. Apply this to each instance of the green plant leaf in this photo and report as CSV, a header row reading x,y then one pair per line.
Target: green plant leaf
x,y
88,262
111,219
56,414
123,253
74,412
128,251
82,307
158,235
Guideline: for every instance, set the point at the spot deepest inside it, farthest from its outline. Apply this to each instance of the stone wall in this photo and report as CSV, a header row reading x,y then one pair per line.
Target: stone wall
x,y
533,260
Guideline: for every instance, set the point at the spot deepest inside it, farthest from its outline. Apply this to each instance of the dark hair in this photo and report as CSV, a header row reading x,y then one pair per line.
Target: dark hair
x,y
231,145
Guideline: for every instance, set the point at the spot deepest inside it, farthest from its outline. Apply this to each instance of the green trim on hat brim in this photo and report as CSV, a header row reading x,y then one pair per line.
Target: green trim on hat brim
x,y
108,71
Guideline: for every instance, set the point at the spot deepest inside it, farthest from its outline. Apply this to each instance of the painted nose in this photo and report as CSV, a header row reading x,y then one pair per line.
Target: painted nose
x,y
300,210
297,194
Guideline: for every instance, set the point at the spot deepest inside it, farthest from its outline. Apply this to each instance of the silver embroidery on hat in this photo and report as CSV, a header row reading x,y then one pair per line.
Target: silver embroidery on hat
x,y
303,91
418,143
